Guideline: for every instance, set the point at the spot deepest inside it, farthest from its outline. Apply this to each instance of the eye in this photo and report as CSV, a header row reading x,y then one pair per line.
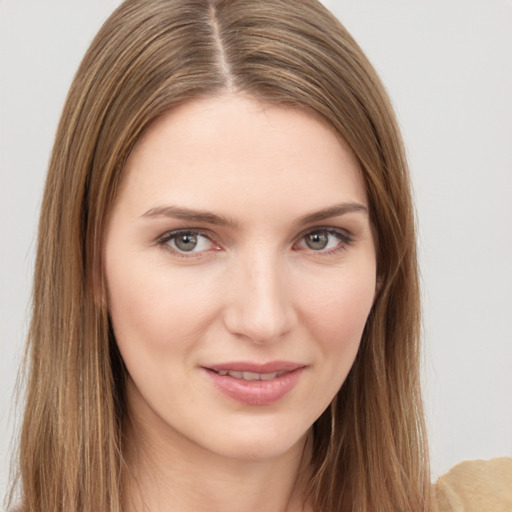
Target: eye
x,y
185,241
325,240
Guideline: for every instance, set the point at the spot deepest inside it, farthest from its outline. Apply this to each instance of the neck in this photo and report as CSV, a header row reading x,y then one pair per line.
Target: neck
x,y
168,472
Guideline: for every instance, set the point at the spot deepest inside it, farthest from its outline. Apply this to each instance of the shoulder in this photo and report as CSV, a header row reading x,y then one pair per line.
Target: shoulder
x,y
475,485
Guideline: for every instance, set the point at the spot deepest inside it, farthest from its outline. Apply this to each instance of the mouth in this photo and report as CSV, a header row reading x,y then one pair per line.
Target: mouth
x,y
255,384
249,375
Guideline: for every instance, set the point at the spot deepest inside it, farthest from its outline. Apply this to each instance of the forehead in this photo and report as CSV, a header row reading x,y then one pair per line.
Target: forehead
x,y
232,151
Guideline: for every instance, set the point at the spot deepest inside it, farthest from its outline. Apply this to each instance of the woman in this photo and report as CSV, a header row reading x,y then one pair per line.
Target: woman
x,y
226,298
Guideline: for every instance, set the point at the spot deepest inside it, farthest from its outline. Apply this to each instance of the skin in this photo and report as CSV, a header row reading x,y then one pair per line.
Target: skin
x,y
252,289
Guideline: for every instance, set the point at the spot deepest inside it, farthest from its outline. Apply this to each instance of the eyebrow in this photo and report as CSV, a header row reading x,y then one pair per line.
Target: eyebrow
x,y
333,211
179,212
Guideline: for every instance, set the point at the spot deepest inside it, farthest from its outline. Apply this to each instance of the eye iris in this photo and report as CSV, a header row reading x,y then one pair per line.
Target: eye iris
x,y
317,241
186,242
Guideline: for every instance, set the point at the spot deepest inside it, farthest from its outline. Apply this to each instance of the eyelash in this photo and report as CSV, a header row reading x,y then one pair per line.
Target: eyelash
x,y
164,240
344,238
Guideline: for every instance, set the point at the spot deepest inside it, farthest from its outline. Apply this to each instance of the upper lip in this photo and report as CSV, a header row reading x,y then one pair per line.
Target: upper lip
x,y
246,366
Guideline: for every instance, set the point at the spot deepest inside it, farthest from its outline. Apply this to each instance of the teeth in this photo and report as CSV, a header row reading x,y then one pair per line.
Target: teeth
x,y
251,375
268,376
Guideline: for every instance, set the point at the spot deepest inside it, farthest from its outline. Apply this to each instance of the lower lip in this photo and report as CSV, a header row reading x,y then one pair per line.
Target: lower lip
x,y
255,392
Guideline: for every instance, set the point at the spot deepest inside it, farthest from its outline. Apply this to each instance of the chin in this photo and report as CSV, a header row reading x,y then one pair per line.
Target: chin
x,y
266,441
259,447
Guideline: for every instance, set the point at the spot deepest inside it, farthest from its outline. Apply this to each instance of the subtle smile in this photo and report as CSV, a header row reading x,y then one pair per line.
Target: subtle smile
x,y
250,375
254,384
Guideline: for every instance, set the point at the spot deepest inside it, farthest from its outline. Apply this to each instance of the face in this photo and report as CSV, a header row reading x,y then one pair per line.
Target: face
x,y
241,267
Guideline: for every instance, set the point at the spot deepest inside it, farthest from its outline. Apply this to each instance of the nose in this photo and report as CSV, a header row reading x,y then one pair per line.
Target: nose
x,y
260,306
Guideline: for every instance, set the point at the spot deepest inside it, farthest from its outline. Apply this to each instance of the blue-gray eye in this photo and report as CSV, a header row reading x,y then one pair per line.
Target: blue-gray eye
x,y
325,240
185,242
317,240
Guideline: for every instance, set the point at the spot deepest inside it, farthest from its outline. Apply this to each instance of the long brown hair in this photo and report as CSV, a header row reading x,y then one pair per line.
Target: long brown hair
x,y
369,451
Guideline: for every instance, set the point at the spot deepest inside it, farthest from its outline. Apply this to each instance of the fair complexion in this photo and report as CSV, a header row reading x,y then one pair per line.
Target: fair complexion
x,y
240,241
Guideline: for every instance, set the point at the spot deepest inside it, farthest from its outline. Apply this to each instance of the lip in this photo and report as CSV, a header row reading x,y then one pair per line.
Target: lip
x,y
256,392
247,366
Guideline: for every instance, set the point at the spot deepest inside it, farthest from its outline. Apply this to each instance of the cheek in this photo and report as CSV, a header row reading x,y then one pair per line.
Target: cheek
x,y
338,310
335,315
154,311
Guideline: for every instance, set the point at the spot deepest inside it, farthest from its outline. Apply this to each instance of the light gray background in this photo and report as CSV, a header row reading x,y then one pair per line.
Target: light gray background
x,y
447,65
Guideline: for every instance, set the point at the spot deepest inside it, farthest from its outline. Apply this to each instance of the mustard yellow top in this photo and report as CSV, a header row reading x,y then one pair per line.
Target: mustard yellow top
x,y
475,486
